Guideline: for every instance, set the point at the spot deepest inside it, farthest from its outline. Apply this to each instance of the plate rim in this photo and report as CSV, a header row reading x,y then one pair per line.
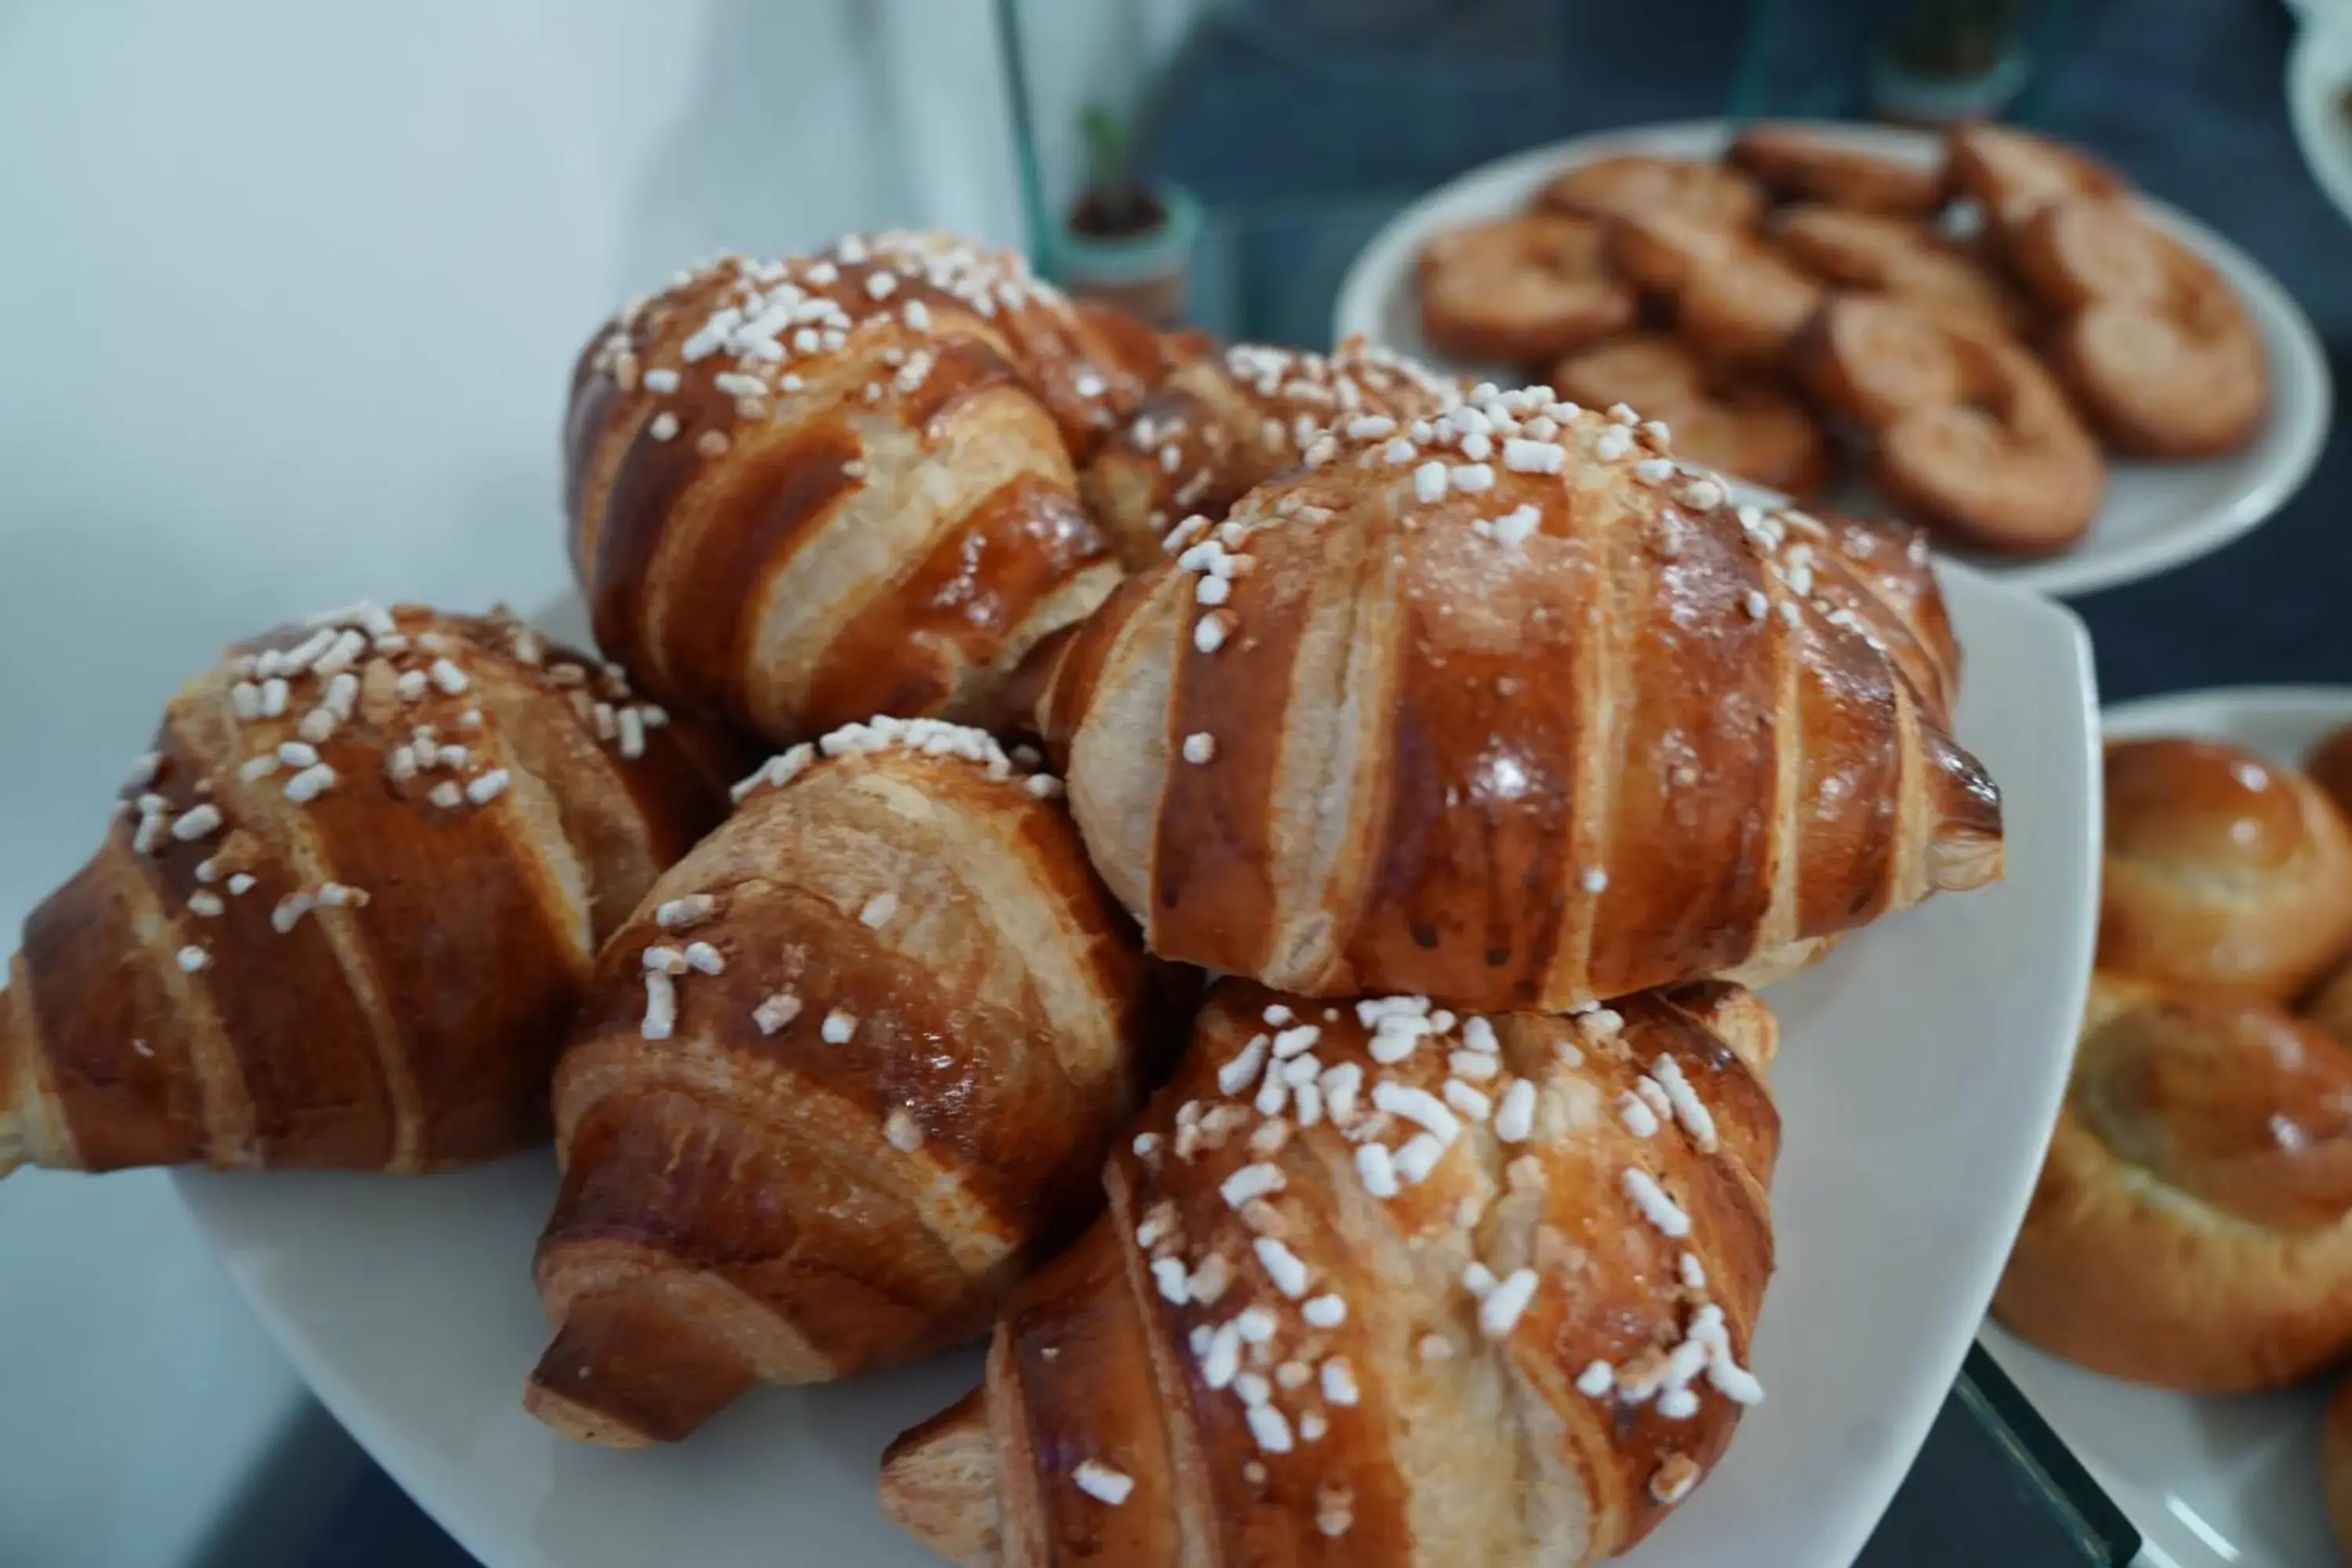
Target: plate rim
x,y
2320,62
1376,269
1906,1417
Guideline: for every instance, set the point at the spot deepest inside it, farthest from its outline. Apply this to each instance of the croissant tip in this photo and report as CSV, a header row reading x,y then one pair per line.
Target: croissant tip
x,y
568,1419
622,1372
1960,860
938,1483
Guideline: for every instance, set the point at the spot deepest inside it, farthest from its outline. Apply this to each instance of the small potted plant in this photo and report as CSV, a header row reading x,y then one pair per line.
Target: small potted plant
x,y
1127,240
1949,60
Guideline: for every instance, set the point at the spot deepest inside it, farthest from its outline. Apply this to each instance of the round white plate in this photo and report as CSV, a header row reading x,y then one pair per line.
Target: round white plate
x,y
2211,1482
2319,100
1920,1072
2156,515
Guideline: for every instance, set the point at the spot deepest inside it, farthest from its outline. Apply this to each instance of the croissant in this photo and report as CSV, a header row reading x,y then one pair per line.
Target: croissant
x,y
1520,716
1089,362
846,1073
348,904
1378,1285
803,491
1222,425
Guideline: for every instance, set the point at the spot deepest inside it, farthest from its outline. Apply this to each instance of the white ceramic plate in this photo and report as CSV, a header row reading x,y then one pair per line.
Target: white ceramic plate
x,y
2211,1482
1920,1074
2156,515
2319,100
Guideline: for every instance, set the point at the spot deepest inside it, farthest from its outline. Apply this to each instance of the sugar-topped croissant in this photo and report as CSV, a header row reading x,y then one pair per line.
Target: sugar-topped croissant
x,y
840,1080
799,493
1221,424
1382,1286
349,902
1519,715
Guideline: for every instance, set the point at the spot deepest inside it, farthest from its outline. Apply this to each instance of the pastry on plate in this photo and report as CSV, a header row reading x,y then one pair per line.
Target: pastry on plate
x,y
2014,174
1745,425
1736,300
844,1075
1222,422
2222,871
1526,289
1884,254
1630,183
2192,1225
2153,342
1968,431
1522,714
804,491
2330,767
348,902
1796,163
1381,1285
2336,1464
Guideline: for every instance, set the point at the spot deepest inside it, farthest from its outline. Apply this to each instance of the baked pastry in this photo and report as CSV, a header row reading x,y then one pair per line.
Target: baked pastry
x,y
1878,572
2014,174
1968,431
844,1075
1735,300
1896,256
1221,424
1742,424
2336,1464
804,491
2222,871
2154,345
1520,715
1380,1286
1796,162
1090,363
2190,1227
348,904
1635,184
2330,1006
2330,767
1526,289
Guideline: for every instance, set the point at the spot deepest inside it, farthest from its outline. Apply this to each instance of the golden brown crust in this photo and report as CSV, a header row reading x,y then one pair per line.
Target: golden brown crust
x,y
805,491
1223,424
1266,1355
2336,1464
2153,342
1796,162
1633,184
1969,433
348,904
1527,288
2014,174
842,1076
1895,256
2189,1226
2223,871
1736,300
1743,426
2330,767
1539,738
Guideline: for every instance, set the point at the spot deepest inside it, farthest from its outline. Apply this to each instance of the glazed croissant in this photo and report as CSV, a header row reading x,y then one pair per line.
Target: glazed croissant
x,y
1519,716
348,904
799,493
1221,424
845,1074
1382,1286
